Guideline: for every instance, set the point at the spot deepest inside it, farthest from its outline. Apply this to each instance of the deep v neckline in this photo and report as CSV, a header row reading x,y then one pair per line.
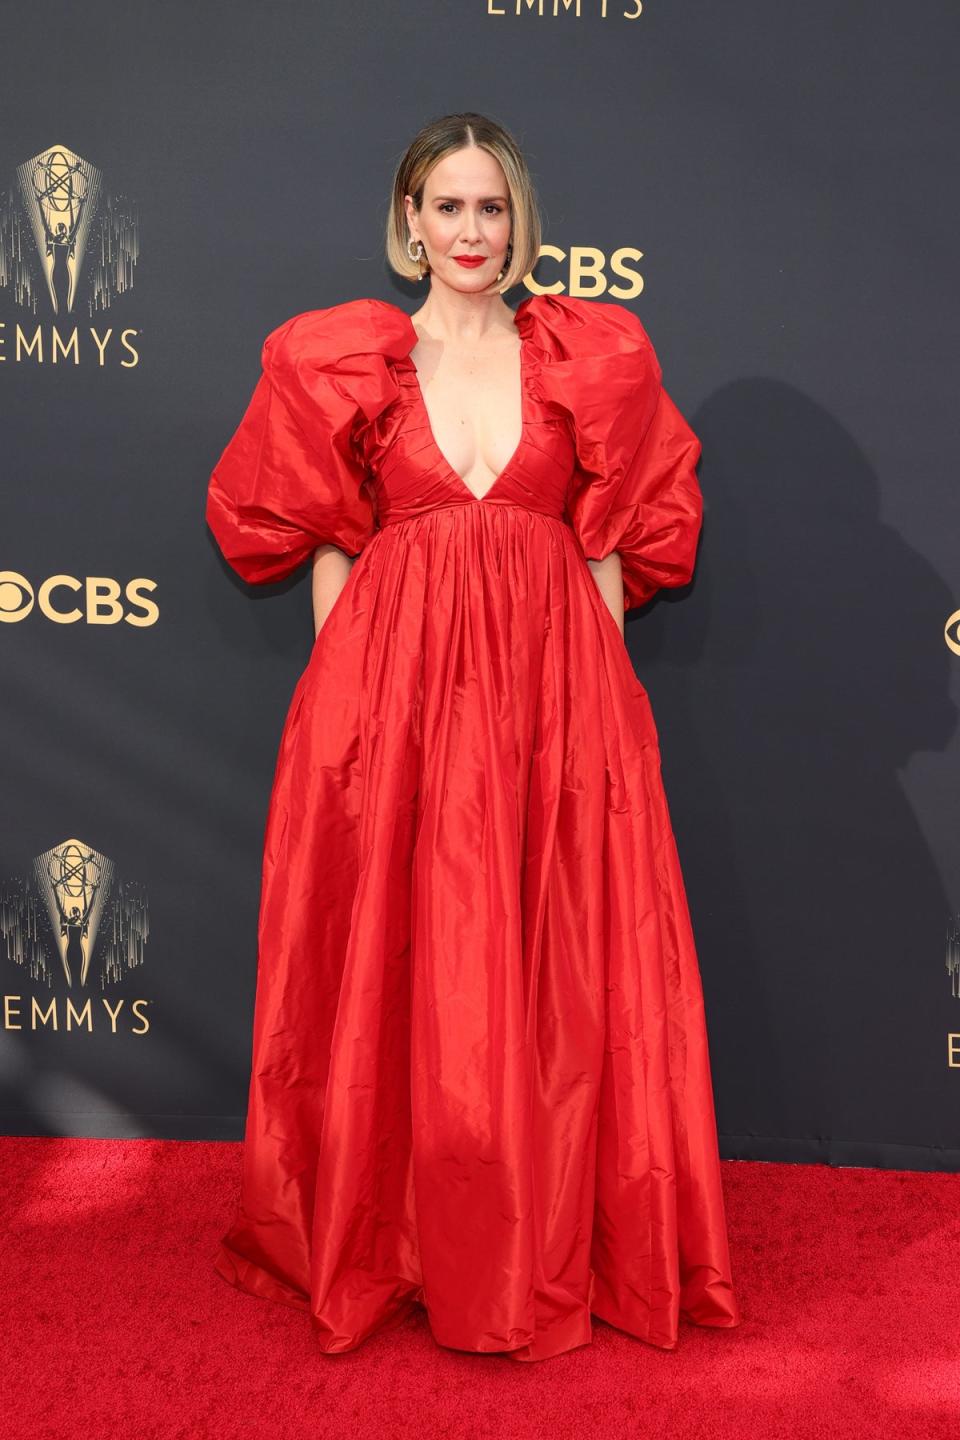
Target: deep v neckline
x,y
455,474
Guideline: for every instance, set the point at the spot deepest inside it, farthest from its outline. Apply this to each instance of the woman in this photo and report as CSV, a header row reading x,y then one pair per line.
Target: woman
x,y
480,1076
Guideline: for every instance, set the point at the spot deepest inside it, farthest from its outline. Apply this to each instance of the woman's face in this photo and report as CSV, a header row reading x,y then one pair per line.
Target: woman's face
x,y
465,211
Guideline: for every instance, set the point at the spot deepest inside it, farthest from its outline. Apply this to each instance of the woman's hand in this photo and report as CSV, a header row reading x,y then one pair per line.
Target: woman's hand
x,y
331,570
608,574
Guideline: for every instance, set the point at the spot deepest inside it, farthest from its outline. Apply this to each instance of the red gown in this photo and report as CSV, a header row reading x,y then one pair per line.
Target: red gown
x,y
480,1077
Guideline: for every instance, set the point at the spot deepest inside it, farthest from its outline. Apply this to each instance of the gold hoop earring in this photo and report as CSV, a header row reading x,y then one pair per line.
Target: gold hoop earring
x,y
418,255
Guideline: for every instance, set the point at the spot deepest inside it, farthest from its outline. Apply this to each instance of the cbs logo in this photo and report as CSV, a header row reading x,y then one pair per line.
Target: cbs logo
x,y
64,599
951,632
587,272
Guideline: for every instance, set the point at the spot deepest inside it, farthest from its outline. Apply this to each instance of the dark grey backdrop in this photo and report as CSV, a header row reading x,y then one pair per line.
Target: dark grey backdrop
x,y
785,173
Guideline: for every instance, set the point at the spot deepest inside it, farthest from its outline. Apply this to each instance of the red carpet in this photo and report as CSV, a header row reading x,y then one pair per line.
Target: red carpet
x,y
115,1323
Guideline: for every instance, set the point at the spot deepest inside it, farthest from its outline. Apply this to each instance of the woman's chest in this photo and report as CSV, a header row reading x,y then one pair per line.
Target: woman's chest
x,y
408,471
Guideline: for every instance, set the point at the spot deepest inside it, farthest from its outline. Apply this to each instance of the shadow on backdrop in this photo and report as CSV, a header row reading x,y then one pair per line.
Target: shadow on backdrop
x,y
791,682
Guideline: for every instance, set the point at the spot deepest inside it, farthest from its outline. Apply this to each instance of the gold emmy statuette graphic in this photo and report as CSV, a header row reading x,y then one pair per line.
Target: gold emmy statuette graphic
x,y
60,192
953,954
78,228
953,970
74,880
77,915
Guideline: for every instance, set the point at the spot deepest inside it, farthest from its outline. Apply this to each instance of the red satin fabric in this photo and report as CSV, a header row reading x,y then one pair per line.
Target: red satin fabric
x,y
480,1076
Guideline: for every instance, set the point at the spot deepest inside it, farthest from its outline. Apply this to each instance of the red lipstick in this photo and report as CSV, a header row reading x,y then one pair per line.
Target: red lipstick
x,y
470,261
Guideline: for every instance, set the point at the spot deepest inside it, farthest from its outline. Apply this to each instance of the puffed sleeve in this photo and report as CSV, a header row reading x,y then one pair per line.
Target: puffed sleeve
x,y
645,503
636,488
292,476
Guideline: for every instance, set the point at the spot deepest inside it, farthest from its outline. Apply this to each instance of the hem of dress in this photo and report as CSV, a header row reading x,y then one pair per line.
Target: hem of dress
x,y
244,1275
254,1280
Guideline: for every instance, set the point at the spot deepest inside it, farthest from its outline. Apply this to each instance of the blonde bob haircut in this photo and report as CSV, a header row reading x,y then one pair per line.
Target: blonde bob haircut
x,y
439,138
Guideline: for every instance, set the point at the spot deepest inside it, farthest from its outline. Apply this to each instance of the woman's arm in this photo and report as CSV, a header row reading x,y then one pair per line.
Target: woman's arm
x,y
608,574
331,568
